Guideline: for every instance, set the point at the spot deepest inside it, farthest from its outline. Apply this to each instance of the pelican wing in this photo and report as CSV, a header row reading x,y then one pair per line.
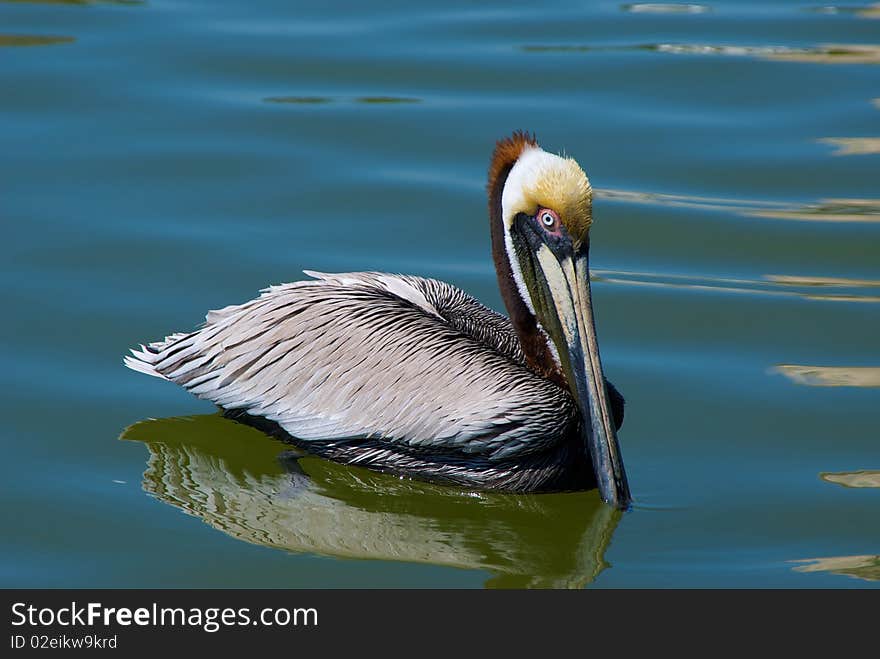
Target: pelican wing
x,y
398,359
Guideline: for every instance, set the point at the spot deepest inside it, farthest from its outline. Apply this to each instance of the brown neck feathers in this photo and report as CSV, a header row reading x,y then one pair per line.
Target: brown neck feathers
x,y
535,347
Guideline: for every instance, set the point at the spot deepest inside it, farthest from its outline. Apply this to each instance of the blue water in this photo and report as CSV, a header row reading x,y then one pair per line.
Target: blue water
x,y
165,158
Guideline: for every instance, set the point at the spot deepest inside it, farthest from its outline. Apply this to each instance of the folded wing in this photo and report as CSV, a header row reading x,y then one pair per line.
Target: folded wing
x,y
403,360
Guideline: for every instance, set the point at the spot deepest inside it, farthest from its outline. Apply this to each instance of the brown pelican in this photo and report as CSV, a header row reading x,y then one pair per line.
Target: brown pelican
x,y
414,377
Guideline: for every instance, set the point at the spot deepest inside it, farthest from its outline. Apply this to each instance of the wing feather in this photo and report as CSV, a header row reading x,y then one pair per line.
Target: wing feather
x,y
395,358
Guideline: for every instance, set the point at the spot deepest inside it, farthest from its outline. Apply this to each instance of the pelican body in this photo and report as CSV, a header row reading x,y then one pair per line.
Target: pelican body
x,y
414,377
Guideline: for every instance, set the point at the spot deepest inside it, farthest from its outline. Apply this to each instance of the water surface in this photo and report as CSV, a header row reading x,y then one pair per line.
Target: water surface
x,y
165,158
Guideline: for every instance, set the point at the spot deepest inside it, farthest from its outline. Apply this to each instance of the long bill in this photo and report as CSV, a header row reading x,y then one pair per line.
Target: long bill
x,y
568,287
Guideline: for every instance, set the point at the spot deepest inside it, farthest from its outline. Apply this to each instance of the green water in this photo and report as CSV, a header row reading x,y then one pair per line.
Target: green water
x,y
160,159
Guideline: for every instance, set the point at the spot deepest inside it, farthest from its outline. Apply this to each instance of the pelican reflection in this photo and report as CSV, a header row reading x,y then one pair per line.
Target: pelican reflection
x,y
247,485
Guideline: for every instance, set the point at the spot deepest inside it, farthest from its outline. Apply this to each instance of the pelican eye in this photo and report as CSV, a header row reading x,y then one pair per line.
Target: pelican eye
x,y
549,219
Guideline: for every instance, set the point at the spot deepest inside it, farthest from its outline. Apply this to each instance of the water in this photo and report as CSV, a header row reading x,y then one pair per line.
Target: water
x,y
165,158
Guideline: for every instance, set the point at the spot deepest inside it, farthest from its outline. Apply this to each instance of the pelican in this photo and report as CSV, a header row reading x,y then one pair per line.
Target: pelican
x,y
414,377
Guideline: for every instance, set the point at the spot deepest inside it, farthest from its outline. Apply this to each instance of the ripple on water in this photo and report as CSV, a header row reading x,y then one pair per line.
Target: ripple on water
x,y
322,100
819,54
858,567
795,280
826,210
33,40
853,146
830,376
77,2
804,286
838,289
872,11
821,210
387,99
299,100
665,8
855,479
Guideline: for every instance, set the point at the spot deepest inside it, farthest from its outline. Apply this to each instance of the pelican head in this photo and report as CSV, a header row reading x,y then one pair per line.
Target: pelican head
x,y
541,214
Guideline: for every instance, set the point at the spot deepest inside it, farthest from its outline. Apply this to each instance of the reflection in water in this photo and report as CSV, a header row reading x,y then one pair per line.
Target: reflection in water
x,y
872,11
827,210
32,40
387,99
681,200
821,54
830,54
232,477
370,100
834,282
78,2
835,289
831,376
862,478
823,210
858,567
853,146
303,100
857,146
664,8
